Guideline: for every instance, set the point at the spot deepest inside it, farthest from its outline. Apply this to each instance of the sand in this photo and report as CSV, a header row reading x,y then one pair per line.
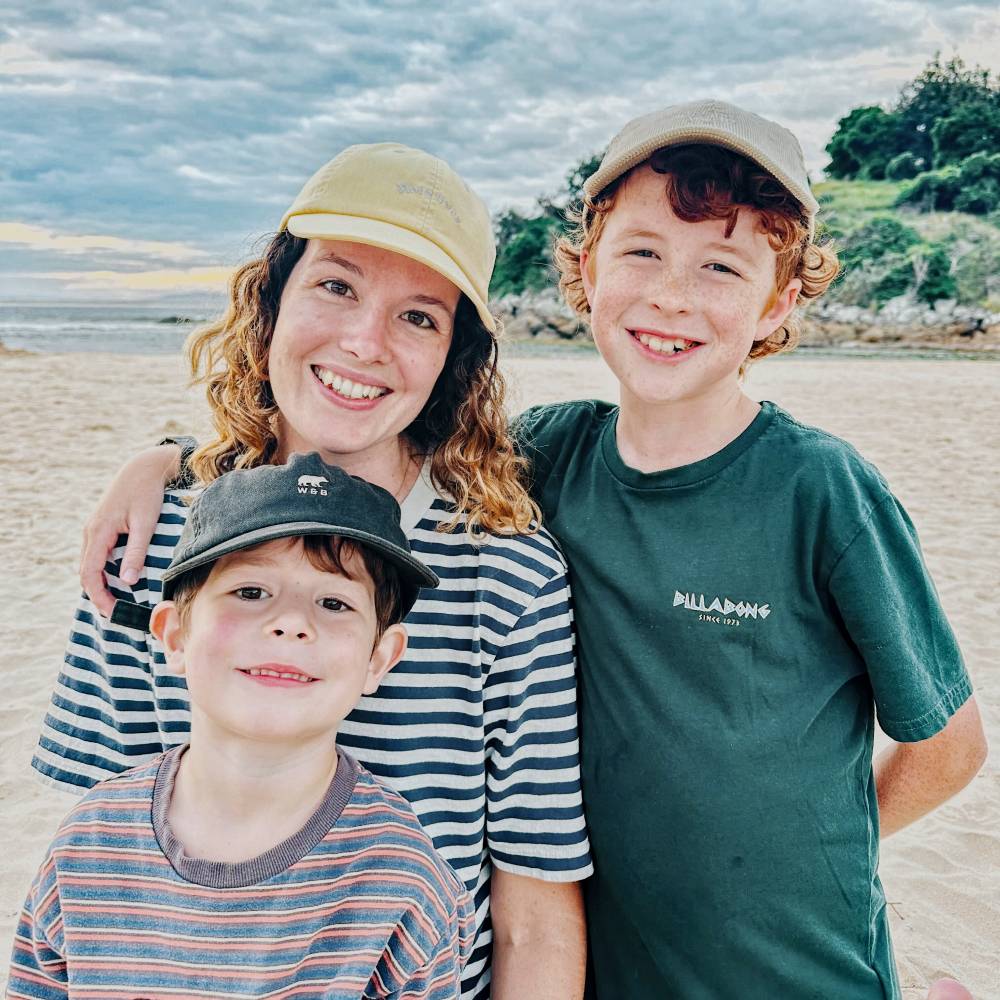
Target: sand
x,y
931,426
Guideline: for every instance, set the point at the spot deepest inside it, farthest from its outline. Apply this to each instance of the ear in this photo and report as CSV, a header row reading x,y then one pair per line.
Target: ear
x,y
587,278
387,653
776,312
166,625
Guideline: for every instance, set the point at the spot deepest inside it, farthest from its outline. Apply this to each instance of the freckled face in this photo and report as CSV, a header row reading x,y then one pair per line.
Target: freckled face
x,y
676,306
360,339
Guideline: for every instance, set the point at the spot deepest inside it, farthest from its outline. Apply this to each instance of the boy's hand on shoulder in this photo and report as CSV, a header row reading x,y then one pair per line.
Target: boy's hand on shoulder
x,y
912,779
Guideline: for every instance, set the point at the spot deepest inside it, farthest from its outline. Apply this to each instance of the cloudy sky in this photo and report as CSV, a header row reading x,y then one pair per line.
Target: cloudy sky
x,y
144,147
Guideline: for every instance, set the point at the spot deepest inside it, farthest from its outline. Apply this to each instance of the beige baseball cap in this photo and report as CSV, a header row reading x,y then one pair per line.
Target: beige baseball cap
x,y
715,123
407,201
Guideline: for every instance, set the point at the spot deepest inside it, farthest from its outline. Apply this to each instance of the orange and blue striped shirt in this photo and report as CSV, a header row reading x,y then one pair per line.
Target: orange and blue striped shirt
x,y
356,904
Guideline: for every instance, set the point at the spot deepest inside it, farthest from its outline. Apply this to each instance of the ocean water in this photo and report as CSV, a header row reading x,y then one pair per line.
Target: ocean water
x,y
121,328
117,328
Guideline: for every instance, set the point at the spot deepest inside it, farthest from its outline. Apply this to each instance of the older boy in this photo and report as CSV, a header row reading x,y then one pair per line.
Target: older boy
x,y
748,593
259,860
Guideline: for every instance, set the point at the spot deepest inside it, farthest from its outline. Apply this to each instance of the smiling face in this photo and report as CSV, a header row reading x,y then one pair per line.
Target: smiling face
x,y
360,339
275,649
676,306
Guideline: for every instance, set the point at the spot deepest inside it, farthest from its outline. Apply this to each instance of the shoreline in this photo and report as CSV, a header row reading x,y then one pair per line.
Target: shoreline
x,y
581,349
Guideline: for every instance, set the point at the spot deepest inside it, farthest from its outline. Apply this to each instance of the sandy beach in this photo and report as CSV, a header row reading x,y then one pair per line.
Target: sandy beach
x,y
931,426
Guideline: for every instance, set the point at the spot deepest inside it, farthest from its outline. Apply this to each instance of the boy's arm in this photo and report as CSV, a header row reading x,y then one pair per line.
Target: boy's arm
x,y
923,694
37,966
440,977
911,779
539,938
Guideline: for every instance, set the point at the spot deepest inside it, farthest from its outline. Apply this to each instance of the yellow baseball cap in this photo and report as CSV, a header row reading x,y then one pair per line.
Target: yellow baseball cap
x,y
404,200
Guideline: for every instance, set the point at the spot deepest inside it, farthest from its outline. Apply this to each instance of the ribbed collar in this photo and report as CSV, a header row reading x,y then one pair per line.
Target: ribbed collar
x,y
234,875
684,475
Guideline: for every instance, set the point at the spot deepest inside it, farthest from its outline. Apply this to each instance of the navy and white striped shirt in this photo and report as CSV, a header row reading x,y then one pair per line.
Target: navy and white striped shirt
x,y
476,727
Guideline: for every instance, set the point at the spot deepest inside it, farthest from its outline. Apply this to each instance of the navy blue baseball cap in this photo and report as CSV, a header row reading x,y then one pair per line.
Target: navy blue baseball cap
x,y
247,507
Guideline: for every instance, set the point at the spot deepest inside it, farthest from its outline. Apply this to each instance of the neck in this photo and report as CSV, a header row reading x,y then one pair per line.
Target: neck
x,y
659,436
234,799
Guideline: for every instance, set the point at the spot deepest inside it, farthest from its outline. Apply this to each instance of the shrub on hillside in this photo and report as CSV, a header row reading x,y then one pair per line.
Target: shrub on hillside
x,y
970,186
932,271
902,167
882,236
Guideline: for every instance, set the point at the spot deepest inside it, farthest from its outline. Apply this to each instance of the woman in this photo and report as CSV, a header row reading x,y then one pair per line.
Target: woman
x,y
363,333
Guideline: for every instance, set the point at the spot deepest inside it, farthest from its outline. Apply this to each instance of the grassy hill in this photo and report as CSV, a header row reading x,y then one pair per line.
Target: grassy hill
x,y
889,251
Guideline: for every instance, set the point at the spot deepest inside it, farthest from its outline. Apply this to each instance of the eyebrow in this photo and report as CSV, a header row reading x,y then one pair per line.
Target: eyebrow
x,y
329,257
645,234
430,300
728,247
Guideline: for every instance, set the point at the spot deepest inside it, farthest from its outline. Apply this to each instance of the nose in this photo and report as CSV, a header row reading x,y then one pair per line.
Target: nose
x,y
671,291
366,335
291,623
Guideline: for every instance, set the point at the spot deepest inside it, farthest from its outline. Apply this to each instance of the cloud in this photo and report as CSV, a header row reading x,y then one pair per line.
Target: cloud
x,y
40,238
193,279
162,122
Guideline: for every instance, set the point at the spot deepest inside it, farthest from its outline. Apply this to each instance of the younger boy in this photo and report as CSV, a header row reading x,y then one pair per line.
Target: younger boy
x,y
259,860
748,593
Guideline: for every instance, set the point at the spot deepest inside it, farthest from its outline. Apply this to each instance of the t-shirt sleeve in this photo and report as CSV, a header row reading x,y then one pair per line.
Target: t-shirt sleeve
x,y
893,615
37,965
114,705
534,809
527,431
425,957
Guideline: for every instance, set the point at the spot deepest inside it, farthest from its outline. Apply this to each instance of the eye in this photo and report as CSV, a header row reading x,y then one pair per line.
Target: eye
x,y
333,604
251,593
722,268
420,319
643,252
337,287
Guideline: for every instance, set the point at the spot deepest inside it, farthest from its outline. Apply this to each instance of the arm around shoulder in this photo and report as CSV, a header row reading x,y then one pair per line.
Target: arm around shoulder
x,y
130,506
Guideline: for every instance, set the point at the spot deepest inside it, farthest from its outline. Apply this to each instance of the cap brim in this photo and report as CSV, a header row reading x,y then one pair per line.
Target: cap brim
x,y
413,572
387,236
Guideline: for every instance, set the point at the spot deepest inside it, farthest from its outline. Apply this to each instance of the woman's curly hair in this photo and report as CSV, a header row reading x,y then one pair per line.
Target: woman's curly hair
x,y
709,182
462,427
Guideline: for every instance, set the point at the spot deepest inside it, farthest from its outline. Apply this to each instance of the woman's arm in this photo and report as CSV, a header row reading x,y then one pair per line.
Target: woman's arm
x,y
130,506
539,938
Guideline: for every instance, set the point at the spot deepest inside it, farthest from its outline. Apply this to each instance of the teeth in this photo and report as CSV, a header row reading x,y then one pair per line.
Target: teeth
x,y
346,387
264,672
665,345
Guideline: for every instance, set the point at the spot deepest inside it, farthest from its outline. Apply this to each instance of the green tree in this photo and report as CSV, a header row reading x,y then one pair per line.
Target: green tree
x,y
573,189
970,128
524,252
864,143
935,95
525,240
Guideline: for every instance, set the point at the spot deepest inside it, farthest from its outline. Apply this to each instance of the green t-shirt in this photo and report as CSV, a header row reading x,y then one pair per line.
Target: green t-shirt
x,y
740,621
